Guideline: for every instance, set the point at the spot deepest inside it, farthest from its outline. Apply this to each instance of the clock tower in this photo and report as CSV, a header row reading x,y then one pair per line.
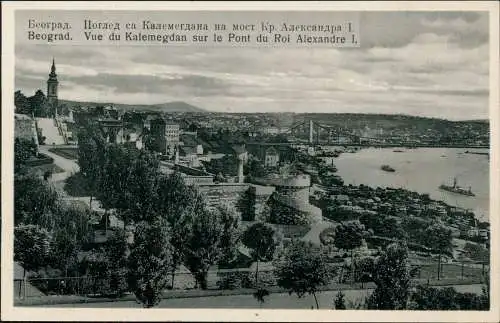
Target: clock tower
x,y
52,84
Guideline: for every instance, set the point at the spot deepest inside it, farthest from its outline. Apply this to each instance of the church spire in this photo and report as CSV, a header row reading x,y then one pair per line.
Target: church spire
x,y
52,84
53,68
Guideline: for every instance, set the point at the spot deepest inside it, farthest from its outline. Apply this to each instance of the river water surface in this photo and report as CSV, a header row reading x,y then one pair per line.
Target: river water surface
x,y
423,170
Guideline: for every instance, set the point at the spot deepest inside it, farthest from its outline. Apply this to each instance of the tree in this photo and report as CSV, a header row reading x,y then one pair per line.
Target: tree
x,y
265,213
231,234
302,268
438,237
35,201
204,241
115,182
91,156
226,166
339,302
392,279
141,188
71,231
174,196
260,239
385,226
260,295
364,270
327,236
173,199
349,236
22,103
116,249
64,251
38,103
150,261
23,150
179,237
247,204
96,266
477,252
255,168
31,246
73,221
415,228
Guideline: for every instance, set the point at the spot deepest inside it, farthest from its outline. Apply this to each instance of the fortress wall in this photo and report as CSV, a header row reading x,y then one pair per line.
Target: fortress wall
x,y
236,194
293,196
223,193
291,201
25,128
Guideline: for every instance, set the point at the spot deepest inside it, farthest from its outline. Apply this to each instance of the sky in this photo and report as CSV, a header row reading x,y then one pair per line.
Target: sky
x,y
433,64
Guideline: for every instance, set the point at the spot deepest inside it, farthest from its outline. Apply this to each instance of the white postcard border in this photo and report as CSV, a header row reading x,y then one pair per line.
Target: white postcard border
x,y
9,312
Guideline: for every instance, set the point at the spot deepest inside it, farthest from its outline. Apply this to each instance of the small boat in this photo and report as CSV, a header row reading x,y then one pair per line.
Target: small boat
x,y
457,189
398,151
387,168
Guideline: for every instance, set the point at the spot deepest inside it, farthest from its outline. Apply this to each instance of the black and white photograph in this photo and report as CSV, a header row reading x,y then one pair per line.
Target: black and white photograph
x,y
324,161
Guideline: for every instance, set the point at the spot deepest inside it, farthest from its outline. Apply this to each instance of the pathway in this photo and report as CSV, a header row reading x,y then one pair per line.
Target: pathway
x,y
50,131
69,166
316,228
273,301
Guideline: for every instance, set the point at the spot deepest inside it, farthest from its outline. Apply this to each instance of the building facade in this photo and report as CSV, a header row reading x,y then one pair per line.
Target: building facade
x,y
172,137
272,158
165,136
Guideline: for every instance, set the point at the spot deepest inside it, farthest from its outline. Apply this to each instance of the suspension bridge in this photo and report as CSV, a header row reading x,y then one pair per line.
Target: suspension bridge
x,y
314,133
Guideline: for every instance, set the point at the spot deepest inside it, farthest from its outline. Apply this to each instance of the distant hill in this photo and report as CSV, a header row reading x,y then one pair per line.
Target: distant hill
x,y
176,106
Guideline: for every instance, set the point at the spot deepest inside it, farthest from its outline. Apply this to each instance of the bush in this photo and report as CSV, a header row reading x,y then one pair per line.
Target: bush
x,y
327,236
267,279
429,298
40,160
118,282
234,280
288,216
339,302
77,185
293,231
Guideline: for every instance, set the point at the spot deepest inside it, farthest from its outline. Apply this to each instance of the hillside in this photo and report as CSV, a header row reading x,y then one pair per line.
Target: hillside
x,y
176,106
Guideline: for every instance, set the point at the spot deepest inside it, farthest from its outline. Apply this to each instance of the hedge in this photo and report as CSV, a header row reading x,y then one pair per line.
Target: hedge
x,y
41,160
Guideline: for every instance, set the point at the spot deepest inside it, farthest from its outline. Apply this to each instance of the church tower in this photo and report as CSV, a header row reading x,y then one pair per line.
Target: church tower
x,y
52,84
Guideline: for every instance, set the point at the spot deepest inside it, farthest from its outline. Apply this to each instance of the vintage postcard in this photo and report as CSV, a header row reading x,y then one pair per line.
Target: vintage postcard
x,y
255,161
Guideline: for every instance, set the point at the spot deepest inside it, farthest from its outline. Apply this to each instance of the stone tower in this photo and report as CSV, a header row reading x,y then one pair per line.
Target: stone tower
x,y
52,84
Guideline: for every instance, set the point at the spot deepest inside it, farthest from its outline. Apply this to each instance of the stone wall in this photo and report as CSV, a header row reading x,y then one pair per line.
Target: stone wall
x,y
289,203
242,196
223,193
24,127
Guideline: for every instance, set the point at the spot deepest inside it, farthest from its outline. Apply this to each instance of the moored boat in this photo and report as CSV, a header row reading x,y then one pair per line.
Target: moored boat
x,y
387,168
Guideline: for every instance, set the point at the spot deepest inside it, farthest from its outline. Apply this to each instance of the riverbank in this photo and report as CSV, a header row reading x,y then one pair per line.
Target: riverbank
x,y
422,170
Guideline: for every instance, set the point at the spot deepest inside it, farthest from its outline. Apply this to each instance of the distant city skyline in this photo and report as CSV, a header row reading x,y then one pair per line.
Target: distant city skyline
x,y
436,66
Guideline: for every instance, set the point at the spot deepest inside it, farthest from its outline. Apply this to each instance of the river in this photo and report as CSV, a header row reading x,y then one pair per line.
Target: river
x,y
423,170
